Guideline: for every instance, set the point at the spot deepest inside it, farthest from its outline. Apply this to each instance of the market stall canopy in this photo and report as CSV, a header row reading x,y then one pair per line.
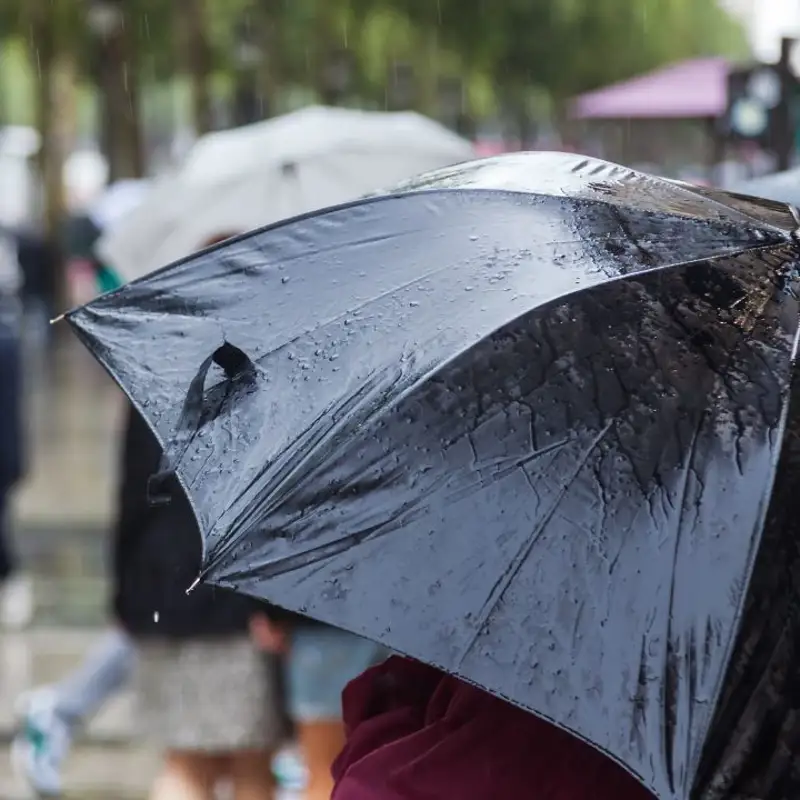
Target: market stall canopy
x,y
687,90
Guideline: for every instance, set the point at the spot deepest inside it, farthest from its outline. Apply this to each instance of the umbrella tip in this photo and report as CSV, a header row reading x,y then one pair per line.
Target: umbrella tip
x,y
194,585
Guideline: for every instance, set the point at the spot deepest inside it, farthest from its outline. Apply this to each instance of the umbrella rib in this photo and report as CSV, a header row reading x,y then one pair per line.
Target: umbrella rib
x,y
499,589
669,688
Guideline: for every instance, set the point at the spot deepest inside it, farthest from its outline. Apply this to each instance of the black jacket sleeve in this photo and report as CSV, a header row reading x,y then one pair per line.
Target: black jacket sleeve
x,y
140,459
156,552
12,434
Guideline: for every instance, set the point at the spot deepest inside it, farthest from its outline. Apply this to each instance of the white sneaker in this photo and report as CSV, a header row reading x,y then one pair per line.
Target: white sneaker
x,y
41,744
289,771
16,603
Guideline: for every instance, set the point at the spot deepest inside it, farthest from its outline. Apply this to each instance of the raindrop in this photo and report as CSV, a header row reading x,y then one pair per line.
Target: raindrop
x,y
414,303
473,238
468,288
285,279
156,616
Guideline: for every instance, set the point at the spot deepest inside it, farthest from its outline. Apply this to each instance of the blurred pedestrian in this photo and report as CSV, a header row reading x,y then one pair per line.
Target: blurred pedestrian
x,y
38,262
206,694
16,602
320,661
414,733
49,717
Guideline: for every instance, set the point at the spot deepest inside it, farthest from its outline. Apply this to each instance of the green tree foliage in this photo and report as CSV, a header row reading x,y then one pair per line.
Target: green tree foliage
x,y
568,46
510,53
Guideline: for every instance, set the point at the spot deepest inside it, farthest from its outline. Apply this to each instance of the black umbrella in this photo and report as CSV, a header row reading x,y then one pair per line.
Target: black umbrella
x,y
525,420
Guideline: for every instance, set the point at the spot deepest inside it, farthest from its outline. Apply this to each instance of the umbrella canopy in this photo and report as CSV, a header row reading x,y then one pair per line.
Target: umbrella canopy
x,y
782,187
530,420
245,178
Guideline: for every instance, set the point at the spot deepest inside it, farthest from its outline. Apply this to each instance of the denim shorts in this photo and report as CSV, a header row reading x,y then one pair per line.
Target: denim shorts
x,y
321,662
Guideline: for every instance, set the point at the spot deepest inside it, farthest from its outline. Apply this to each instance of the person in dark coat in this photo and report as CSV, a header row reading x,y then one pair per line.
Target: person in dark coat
x,y
414,733
11,426
38,261
16,600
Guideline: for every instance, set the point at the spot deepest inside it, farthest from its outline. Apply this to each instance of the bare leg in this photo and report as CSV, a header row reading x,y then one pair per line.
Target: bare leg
x,y
321,741
188,776
251,775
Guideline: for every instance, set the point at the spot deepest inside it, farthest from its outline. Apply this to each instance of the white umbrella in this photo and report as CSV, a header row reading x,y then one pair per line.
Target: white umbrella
x,y
237,180
118,201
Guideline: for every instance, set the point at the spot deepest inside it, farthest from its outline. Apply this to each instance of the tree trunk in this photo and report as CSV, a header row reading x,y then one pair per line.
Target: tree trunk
x,y
196,57
270,77
118,84
44,54
325,29
428,100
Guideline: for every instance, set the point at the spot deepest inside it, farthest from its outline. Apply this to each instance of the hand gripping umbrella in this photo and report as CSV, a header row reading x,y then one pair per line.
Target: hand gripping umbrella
x,y
532,420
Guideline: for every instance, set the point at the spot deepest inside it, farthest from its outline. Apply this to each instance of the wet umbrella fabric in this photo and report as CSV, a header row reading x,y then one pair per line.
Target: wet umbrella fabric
x,y
531,420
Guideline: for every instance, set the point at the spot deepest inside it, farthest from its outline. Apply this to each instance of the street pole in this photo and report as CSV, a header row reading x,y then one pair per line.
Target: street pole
x,y
783,133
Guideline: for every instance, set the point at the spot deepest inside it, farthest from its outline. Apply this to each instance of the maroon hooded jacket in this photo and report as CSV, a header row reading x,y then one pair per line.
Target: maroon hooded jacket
x,y
414,733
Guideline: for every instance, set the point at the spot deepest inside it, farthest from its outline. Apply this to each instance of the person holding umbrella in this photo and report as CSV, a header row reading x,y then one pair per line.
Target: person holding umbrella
x,y
414,733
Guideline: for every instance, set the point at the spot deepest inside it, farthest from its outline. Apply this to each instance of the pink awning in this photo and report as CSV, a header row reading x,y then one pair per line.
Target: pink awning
x,y
686,90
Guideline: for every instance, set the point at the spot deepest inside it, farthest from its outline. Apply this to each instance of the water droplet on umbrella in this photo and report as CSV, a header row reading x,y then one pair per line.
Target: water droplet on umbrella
x,y
285,279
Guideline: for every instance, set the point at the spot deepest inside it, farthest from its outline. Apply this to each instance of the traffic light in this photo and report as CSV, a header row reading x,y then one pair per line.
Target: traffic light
x,y
754,94
761,106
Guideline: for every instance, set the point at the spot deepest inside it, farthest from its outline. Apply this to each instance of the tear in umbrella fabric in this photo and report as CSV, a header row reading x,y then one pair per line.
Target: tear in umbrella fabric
x,y
525,420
